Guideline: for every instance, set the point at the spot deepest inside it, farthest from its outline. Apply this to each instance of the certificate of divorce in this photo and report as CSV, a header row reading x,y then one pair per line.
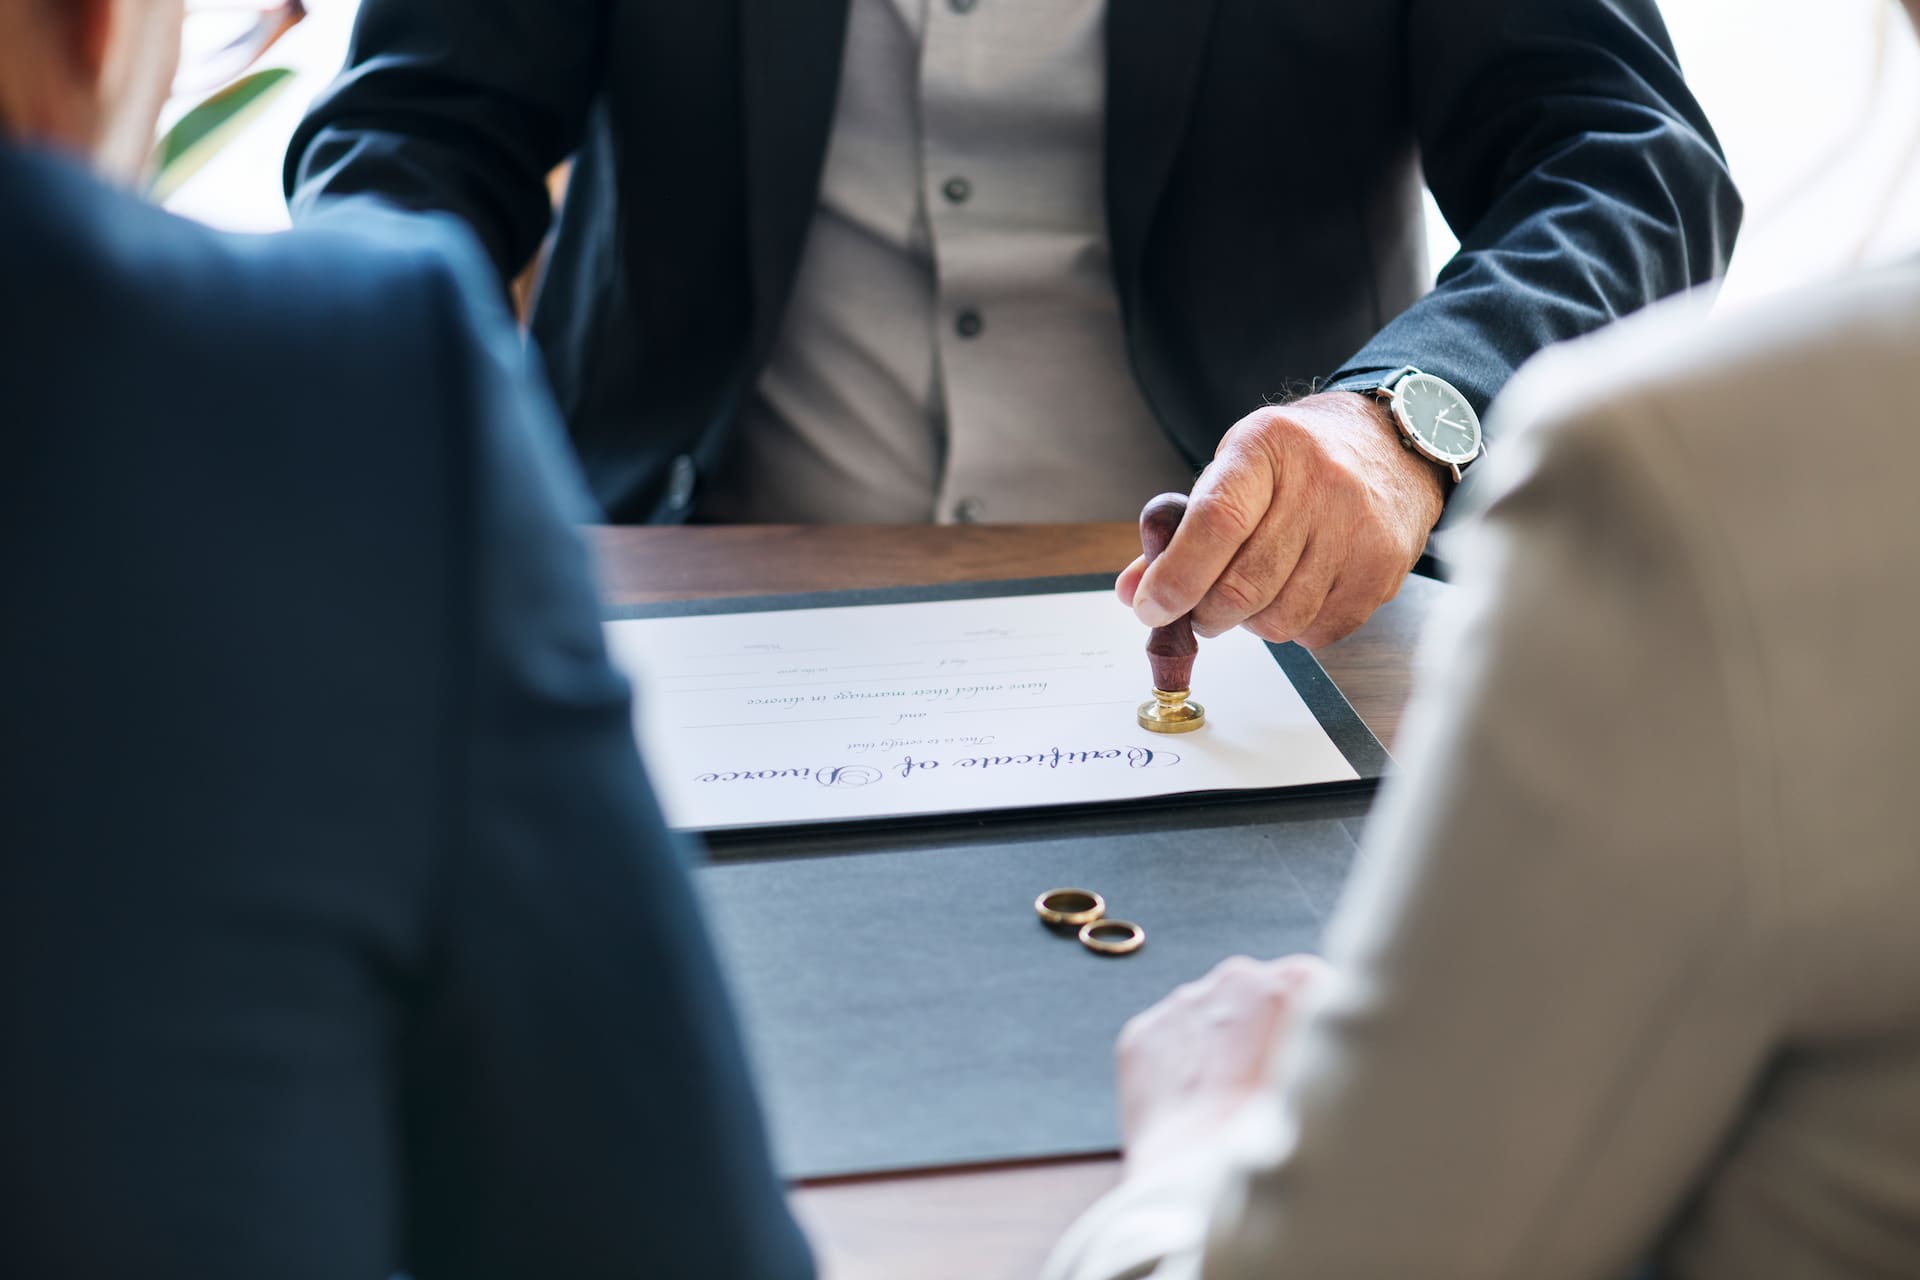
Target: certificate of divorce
x,y
951,706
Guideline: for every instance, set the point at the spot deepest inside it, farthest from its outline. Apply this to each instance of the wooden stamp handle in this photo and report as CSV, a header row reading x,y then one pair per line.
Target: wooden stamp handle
x,y
1158,519
1170,649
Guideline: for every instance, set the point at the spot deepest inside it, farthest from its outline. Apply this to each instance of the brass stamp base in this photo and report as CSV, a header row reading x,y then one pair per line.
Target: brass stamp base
x,y
1171,712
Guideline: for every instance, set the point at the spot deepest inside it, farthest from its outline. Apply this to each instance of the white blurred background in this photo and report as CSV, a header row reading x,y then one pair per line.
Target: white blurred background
x,y
1816,101
1818,105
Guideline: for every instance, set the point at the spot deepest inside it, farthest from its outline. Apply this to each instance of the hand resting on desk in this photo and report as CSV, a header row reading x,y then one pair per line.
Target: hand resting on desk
x,y
1186,1065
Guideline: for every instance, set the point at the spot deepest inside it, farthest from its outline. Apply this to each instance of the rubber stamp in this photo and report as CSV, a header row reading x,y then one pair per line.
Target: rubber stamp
x,y
1170,649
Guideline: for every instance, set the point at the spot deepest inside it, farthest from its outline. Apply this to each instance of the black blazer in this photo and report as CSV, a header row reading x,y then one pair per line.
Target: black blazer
x,y
1264,168
339,935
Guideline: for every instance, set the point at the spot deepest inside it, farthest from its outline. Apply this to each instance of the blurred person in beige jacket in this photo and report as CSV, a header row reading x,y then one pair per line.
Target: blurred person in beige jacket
x,y
1629,970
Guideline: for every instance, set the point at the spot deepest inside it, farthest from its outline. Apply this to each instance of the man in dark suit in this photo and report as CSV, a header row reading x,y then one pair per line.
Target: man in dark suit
x,y
1031,259
339,933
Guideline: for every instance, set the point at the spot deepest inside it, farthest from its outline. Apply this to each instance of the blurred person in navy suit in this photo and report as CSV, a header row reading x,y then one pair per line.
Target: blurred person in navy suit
x,y
339,932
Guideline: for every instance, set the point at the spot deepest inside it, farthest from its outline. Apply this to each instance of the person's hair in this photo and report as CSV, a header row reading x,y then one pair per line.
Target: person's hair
x,y
25,64
19,19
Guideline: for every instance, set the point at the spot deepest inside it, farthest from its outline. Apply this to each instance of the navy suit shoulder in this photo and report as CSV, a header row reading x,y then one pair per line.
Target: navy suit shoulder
x,y
291,356
339,933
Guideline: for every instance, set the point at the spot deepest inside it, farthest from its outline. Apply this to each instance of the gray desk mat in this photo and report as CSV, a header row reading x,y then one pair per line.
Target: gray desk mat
x,y
905,1008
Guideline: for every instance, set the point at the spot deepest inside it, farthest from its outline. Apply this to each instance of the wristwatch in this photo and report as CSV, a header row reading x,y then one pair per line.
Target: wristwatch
x,y
1433,418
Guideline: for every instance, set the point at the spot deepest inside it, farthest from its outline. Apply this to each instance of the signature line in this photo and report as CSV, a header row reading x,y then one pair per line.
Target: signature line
x,y
1048,706
814,684
752,724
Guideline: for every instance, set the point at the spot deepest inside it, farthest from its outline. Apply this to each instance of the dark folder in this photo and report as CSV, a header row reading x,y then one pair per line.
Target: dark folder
x,y
905,1007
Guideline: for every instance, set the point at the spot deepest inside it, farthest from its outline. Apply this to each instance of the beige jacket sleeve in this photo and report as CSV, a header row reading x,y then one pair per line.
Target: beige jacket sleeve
x,y
1553,985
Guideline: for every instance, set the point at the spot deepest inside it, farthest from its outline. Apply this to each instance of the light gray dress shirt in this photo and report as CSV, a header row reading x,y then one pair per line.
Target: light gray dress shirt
x,y
1630,965
953,349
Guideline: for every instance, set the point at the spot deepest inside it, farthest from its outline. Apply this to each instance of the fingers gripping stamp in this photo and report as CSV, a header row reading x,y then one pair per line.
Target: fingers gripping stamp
x,y
1170,649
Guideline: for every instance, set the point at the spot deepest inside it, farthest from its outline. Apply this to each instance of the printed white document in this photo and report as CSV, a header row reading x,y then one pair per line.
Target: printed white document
x,y
822,715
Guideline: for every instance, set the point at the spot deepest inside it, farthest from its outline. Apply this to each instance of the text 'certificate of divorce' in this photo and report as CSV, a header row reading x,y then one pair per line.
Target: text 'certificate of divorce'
x,y
822,715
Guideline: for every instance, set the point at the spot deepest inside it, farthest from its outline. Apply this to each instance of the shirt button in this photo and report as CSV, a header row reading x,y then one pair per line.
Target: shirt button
x,y
680,483
961,6
957,190
969,510
968,324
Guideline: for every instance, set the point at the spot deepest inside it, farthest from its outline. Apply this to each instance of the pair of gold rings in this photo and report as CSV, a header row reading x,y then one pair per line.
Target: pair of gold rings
x,y
1086,910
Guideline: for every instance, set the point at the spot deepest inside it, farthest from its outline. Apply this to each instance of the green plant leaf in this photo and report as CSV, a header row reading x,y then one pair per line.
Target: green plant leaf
x,y
202,132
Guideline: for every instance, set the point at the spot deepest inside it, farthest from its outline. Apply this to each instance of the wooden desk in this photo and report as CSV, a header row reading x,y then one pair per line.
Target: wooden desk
x,y
994,1223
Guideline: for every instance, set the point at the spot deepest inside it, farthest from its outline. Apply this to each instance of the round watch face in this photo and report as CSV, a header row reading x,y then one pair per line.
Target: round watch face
x,y
1439,418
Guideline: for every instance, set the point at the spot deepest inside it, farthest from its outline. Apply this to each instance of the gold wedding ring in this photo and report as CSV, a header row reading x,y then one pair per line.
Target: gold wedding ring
x,y
1070,906
1112,937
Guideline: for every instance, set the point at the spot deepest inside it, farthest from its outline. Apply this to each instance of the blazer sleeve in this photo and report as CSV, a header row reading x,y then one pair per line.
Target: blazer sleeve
x,y
1556,968
1561,141
577,1100
461,106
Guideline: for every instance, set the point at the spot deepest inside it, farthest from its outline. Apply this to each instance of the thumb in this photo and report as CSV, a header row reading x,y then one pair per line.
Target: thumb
x,y
1129,580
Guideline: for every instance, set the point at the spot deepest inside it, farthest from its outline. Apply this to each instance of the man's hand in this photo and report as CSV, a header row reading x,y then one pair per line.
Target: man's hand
x,y
1186,1065
1309,518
